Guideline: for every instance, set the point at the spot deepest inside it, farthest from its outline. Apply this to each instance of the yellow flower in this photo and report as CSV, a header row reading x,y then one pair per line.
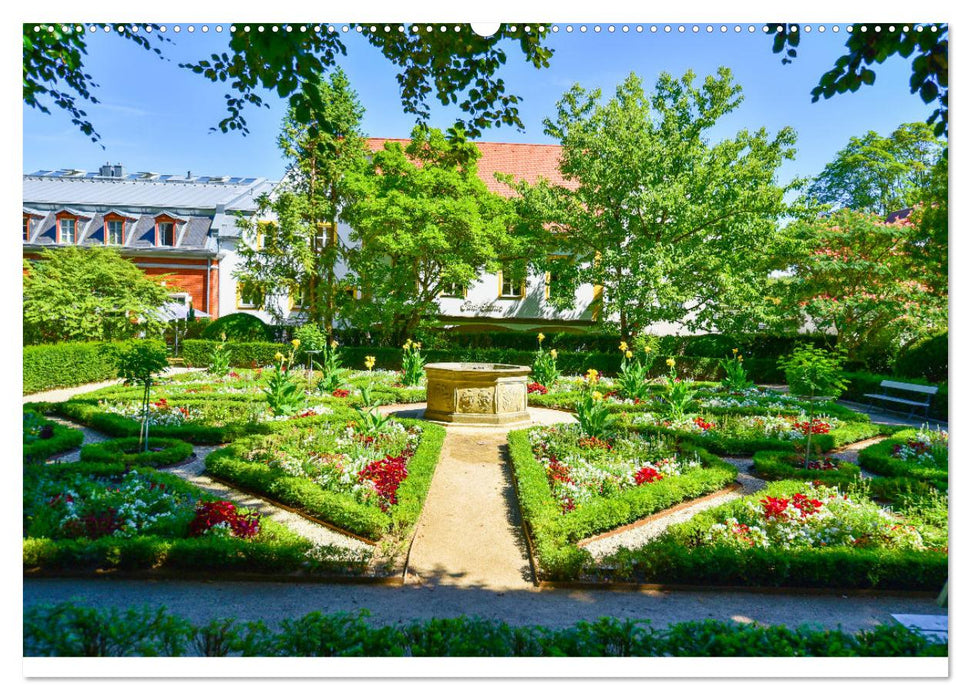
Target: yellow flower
x,y
296,342
406,345
278,357
739,358
628,354
670,362
333,344
597,396
734,351
417,346
369,362
541,337
623,346
553,353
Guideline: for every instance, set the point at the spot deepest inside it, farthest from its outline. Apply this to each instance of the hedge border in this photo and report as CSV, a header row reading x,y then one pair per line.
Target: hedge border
x,y
121,450
669,560
778,465
554,534
879,459
63,439
285,552
340,510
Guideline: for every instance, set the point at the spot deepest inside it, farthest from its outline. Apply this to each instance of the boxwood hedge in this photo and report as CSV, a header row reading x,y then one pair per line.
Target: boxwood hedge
x,y
338,509
554,534
788,464
879,459
161,452
61,439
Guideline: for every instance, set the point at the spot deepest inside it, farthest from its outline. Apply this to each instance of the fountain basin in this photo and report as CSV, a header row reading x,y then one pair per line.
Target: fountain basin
x,y
476,393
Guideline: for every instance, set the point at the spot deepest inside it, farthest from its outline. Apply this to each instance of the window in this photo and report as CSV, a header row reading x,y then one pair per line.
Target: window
x,y
453,290
298,299
553,279
246,299
325,236
26,227
67,230
351,292
165,234
114,231
511,286
265,234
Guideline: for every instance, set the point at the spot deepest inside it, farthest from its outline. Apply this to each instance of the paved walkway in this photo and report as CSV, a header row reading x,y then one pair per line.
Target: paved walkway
x,y
470,533
201,601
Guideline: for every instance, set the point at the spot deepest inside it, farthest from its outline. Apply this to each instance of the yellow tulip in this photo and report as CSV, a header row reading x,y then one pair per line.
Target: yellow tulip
x,y
278,357
541,337
628,354
369,362
623,346
553,353
333,344
597,396
296,342
417,346
734,351
670,362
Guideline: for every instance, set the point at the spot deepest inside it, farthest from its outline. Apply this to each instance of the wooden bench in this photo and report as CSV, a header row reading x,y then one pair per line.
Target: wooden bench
x,y
914,391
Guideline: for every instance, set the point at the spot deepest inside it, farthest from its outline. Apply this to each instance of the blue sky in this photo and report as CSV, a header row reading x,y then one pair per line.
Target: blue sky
x,y
156,116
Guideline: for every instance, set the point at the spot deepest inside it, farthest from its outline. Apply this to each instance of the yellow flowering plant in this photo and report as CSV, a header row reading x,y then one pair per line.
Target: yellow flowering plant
x,y
736,378
544,370
281,390
632,379
678,397
412,364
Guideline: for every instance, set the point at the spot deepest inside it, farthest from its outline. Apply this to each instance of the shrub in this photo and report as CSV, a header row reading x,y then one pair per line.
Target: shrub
x,y
788,465
925,358
197,353
43,438
239,326
861,383
160,452
67,364
880,459
71,629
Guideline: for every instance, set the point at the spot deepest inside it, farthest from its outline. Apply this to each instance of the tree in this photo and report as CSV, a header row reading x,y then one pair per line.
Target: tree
x,y
301,251
138,364
880,174
870,43
861,278
89,294
424,220
928,249
457,67
668,224
815,374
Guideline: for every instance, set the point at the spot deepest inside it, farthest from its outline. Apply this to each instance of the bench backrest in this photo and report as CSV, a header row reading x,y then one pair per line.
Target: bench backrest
x,y
904,386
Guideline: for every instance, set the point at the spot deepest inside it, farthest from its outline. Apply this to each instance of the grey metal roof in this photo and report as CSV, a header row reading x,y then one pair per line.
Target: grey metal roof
x,y
168,192
193,235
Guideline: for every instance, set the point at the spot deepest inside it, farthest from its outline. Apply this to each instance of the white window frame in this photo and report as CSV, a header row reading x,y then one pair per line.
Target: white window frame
x,y
109,234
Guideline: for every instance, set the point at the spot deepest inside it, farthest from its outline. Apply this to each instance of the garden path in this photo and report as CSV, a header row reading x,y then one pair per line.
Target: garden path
x,y
470,533
55,395
191,470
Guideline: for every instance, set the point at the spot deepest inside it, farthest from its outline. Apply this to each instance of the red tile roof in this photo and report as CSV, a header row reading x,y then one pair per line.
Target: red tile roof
x,y
524,161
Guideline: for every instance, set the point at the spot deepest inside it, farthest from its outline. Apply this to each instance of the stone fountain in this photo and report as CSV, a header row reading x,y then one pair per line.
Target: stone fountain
x,y
476,393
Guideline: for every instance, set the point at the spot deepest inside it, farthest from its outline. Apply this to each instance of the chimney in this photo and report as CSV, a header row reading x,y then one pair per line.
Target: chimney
x,y
109,170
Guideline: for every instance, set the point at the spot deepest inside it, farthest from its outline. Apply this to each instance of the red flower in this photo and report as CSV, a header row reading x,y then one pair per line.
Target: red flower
x,y
341,393
212,513
647,475
234,375
703,424
816,427
558,472
536,388
594,443
387,475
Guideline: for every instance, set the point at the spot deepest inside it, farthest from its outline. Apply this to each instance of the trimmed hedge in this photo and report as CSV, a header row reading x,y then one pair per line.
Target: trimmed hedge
x,y
773,465
339,509
196,353
62,439
879,459
555,533
238,327
670,559
67,364
161,452
276,550
926,358
71,629
861,383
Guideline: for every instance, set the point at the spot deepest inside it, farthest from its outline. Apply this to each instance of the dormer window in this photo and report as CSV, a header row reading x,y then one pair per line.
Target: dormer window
x,y
165,233
26,227
114,230
67,230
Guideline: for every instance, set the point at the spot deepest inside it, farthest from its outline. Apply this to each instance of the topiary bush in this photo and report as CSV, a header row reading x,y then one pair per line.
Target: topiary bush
x,y
238,326
161,452
925,358
67,364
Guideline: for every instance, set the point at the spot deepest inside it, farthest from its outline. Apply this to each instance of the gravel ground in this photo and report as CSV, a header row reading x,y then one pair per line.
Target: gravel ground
x,y
55,395
201,601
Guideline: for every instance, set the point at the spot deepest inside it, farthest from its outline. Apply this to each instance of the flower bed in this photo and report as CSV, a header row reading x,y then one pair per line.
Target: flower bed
x,y
742,434
93,516
369,484
918,454
613,484
161,452
776,465
44,438
798,534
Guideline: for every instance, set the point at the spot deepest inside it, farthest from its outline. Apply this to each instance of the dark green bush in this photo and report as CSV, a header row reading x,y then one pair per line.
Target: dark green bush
x,y
67,364
71,629
879,459
238,327
925,358
61,439
196,353
770,464
161,452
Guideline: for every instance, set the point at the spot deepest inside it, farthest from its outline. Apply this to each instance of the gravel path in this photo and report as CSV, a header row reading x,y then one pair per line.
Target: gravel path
x,y
55,395
201,601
